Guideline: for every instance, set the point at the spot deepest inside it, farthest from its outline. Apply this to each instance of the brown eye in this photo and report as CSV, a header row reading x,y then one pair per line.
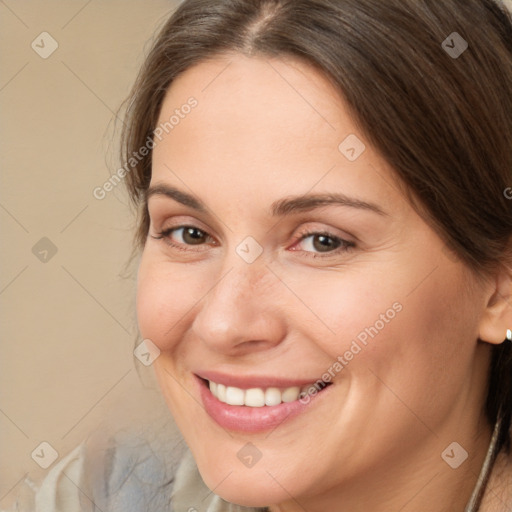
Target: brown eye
x,y
193,236
184,235
323,243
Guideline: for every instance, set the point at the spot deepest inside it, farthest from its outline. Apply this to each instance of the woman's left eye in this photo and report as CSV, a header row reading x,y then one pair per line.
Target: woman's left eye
x,y
323,243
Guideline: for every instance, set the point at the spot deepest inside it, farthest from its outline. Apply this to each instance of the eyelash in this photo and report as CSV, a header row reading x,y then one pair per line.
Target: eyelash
x,y
345,246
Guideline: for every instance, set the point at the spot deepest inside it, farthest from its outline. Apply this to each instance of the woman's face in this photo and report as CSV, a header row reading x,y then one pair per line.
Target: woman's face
x,y
300,261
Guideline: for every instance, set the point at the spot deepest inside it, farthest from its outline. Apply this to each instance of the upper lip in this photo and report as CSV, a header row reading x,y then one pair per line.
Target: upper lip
x,y
253,381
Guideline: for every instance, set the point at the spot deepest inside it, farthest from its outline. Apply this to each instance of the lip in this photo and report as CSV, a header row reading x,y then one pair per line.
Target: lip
x,y
253,381
253,419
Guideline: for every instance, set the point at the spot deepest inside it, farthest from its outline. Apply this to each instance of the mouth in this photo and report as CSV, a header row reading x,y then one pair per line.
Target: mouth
x,y
262,397
251,408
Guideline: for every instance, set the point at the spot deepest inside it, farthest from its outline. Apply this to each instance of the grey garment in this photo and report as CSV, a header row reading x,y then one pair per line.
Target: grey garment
x,y
135,474
125,472
129,472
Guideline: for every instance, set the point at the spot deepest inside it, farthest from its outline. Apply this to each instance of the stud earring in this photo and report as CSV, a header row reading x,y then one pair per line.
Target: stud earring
x,y
509,334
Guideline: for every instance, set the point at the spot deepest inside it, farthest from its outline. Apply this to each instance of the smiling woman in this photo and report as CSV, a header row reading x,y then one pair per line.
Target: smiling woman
x,y
344,159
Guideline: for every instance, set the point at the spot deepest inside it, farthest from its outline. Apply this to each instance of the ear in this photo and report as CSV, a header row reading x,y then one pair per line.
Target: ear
x,y
496,321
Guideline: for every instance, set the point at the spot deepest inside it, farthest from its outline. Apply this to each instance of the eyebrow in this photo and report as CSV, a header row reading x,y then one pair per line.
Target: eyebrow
x,y
309,202
179,196
279,208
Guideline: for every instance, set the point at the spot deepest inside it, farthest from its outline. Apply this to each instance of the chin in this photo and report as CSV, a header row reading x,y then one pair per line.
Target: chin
x,y
246,487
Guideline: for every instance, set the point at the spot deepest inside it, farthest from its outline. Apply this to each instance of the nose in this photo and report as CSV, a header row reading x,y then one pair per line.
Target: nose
x,y
243,312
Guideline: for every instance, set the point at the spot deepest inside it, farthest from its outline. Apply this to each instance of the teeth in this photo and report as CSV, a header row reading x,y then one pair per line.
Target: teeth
x,y
272,396
290,394
255,397
235,396
221,392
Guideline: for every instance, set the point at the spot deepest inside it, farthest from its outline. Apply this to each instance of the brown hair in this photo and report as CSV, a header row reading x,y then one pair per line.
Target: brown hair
x,y
442,121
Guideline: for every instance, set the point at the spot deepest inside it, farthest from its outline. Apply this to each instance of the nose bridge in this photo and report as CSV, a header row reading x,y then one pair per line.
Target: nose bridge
x,y
238,308
241,284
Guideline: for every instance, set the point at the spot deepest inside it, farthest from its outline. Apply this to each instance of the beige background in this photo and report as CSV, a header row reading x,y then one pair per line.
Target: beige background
x,y
67,324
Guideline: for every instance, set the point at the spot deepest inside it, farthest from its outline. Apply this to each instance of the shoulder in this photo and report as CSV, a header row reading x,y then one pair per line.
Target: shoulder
x,y
130,470
127,471
123,471
59,489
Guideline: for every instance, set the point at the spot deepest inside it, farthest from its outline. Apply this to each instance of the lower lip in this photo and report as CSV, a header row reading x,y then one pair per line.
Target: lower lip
x,y
251,419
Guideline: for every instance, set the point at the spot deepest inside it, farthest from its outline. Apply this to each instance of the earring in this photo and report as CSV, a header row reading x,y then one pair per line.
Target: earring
x,y
509,334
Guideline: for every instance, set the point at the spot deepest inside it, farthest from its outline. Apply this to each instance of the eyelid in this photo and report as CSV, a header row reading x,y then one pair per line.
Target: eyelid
x,y
178,221
313,228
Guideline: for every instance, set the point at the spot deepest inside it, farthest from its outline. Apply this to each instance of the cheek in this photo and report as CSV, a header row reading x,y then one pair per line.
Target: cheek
x,y
423,357
166,295
345,311
370,322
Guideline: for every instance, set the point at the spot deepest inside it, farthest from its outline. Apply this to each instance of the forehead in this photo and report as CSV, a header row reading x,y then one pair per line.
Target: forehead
x,y
258,121
272,94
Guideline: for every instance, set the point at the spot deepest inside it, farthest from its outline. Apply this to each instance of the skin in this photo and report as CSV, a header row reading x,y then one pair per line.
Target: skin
x,y
263,130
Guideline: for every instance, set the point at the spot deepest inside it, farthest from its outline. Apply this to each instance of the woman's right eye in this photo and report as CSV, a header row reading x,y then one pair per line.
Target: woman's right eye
x,y
181,236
